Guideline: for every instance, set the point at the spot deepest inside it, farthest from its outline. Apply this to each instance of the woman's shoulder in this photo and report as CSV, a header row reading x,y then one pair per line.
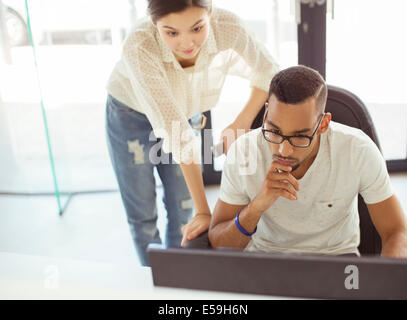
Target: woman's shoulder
x,y
224,17
142,37
227,28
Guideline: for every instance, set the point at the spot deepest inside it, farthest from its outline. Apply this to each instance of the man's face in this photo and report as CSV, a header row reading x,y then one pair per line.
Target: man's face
x,y
291,120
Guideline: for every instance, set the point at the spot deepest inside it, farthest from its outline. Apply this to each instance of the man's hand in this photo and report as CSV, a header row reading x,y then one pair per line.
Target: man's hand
x,y
279,182
200,223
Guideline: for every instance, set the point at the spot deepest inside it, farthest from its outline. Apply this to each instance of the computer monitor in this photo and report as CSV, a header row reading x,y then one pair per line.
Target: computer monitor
x,y
279,274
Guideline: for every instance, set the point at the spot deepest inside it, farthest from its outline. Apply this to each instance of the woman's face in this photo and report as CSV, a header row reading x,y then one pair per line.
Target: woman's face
x,y
185,32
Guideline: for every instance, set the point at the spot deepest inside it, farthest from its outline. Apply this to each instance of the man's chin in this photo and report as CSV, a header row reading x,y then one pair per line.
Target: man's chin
x,y
295,167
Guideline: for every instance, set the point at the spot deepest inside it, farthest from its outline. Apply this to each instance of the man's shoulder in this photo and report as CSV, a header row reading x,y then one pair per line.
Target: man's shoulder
x,y
344,134
351,143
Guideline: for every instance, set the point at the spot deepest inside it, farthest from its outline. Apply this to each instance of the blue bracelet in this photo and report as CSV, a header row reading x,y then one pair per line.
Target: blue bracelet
x,y
241,228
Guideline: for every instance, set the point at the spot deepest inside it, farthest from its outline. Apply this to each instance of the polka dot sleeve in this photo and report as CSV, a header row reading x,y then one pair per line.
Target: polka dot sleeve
x,y
251,59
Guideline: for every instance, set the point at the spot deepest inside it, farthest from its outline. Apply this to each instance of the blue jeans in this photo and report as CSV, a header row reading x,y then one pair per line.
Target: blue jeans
x,y
128,133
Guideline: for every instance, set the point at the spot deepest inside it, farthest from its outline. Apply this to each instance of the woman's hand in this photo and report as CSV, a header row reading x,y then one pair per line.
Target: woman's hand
x,y
231,133
199,224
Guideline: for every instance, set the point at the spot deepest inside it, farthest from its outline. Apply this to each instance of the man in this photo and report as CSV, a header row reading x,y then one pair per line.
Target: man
x,y
292,185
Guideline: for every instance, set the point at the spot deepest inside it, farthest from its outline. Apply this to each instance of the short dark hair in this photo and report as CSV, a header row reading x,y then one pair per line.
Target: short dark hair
x,y
160,8
296,84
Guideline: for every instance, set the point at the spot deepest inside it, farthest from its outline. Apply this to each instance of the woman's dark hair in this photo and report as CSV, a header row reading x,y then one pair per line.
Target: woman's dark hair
x,y
297,84
160,8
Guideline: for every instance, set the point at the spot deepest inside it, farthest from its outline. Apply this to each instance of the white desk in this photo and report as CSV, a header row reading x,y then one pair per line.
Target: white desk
x,y
37,277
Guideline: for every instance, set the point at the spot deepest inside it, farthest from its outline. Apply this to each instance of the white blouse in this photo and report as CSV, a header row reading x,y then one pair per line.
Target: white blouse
x,y
150,80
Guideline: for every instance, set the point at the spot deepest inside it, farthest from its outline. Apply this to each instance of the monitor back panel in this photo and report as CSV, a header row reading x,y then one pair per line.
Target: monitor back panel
x,y
280,274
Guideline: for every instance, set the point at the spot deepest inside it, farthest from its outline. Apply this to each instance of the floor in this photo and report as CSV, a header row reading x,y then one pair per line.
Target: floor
x,y
93,227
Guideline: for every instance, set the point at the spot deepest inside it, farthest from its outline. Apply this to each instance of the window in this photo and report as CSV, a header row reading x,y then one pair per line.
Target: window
x,y
366,55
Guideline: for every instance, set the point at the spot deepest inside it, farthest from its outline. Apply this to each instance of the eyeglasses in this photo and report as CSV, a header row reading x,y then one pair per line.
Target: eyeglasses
x,y
299,141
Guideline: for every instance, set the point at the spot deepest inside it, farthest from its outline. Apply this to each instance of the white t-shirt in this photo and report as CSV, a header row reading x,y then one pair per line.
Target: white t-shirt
x,y
324,219
150,80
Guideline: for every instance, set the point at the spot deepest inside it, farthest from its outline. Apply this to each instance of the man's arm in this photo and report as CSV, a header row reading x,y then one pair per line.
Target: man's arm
x,y
391,223
223,231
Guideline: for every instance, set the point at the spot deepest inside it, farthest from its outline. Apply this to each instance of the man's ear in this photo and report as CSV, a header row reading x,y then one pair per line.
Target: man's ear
x,y
266,106
325,122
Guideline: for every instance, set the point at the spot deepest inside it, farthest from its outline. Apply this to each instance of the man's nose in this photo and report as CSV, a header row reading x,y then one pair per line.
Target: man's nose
x,y
285,149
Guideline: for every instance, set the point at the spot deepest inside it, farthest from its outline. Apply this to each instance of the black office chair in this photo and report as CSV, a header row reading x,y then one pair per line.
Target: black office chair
x,y
348,109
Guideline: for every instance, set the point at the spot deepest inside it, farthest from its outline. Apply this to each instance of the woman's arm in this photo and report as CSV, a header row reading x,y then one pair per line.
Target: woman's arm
x,y
193,177
245,118
258,98
252,61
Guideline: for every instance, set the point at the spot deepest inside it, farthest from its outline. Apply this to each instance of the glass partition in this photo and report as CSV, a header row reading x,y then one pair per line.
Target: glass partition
x,y
60,94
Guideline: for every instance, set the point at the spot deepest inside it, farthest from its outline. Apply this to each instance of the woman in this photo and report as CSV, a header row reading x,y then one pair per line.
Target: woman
x,y
173,68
